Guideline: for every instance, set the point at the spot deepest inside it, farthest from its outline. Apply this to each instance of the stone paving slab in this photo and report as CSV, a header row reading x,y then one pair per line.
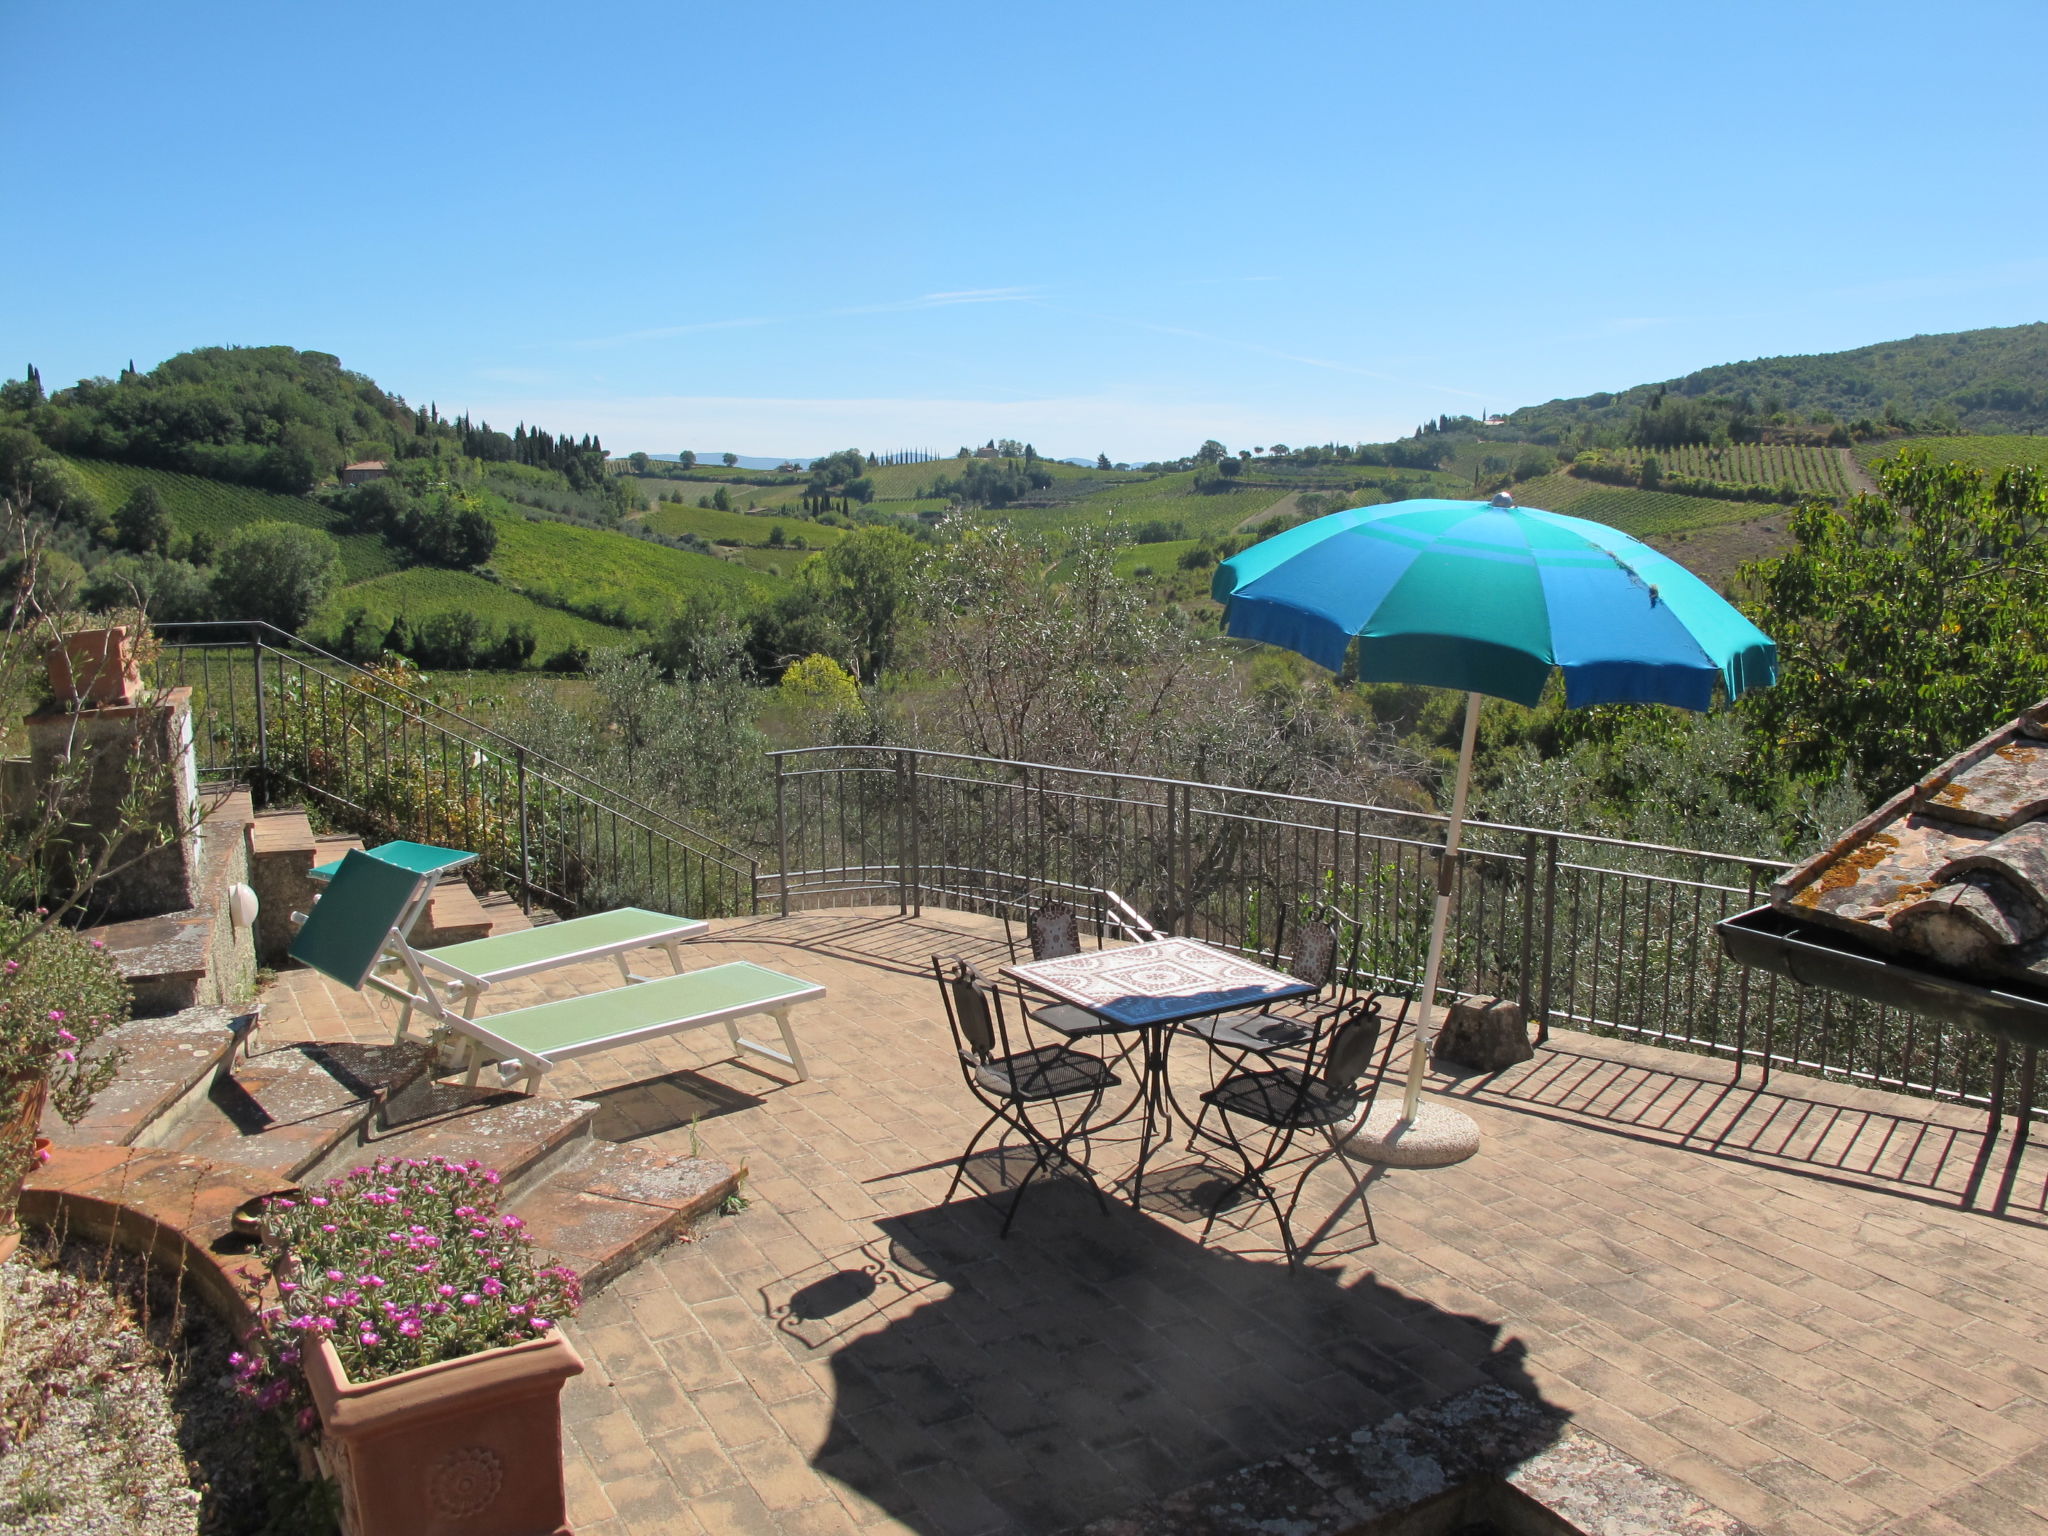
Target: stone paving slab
x,y
1809,1346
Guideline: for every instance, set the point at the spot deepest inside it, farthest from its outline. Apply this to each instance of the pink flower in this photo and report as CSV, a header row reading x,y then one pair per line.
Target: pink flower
x,y
541,1324
98,943
335,1274
371,1339
409,1329
56,1015
471,1299
313,1200
445,1290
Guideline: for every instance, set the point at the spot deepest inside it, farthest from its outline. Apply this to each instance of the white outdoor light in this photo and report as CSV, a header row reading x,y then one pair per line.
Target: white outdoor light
x,y
242,906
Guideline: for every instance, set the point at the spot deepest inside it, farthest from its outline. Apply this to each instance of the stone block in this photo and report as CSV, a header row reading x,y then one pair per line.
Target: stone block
x,y
145,748
1486,1033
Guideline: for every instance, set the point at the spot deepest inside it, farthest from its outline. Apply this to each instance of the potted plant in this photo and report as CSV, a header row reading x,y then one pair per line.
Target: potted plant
x,y
95,667
59,993
410,1318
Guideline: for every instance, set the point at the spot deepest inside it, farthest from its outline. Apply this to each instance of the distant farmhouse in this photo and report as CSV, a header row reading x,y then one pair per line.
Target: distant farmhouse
x,y
366,469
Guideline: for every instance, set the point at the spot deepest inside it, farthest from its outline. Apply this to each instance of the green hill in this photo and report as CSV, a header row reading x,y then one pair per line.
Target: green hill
x,y
1987,381
1986,453
217,508
612,578
422,594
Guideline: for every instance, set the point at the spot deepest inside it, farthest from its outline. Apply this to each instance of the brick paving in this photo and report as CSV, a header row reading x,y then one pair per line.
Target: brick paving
x,y
1772,1297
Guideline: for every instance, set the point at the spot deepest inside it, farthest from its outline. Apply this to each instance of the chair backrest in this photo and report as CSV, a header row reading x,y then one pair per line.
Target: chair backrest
x,y
1352,1048
345,932
1055,931
1315,953
971,1005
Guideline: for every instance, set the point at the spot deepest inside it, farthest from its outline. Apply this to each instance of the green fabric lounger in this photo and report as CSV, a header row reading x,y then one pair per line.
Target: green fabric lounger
x,y
351,929
472,969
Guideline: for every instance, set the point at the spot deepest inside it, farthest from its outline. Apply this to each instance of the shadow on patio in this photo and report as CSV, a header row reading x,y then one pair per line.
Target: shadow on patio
x,y
1092,1361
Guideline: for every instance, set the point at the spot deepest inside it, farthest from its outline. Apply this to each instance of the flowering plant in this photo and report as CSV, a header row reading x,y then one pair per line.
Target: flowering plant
x,y
58,994
398,1264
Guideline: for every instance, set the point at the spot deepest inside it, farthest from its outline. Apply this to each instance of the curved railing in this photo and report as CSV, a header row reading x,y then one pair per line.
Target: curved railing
x,y
1586,932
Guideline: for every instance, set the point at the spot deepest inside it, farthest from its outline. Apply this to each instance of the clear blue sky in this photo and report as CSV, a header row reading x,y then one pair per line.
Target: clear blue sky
x,y
1100,227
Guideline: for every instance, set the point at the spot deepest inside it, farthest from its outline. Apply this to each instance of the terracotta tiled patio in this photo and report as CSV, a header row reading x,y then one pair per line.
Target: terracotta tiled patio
x,y
1772,1297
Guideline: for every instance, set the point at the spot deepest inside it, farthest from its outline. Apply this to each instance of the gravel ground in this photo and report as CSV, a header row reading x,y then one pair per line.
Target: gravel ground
x,y
119,1415
88,1435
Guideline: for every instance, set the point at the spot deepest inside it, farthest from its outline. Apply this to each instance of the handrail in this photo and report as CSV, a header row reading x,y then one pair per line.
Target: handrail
x,y
1747,860
549,767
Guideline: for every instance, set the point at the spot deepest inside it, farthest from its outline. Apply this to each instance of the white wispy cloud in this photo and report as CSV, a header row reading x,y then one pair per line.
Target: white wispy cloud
x,y
657,333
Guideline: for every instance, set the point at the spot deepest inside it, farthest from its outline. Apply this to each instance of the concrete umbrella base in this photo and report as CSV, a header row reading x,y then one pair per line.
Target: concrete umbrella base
x,y
1437,1137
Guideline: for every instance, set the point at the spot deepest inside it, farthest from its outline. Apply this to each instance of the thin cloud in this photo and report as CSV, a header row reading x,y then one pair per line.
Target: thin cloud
x,y
943,301
659,332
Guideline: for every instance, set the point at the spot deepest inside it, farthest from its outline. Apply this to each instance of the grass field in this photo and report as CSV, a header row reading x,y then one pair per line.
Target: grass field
x,y
1168,498
709,523
1811,471
739,493
422,592
218,509
1988,453
1641,513
563,565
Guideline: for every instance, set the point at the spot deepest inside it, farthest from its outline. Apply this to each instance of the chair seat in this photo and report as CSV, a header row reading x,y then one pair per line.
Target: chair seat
x,y
1280,1099
1251,1029
1050,1072
1076,1022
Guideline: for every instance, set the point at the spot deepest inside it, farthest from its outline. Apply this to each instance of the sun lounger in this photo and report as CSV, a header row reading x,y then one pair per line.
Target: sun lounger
x,y
469,970
353,927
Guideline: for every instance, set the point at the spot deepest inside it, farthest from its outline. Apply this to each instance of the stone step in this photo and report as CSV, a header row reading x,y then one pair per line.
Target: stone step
x,y
180,1210
453,916
605,1211
522,1136
181,960
281,856
285,1109
504,912
166,1062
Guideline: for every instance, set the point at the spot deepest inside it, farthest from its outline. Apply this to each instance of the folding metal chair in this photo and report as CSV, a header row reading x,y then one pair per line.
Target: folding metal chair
x,y
1332,1099
1013,1078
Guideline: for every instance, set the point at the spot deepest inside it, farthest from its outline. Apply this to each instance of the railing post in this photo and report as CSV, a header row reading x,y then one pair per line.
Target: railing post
x,y
1549,938
1522,984
916,841
262,787
525,845
781,840
902,799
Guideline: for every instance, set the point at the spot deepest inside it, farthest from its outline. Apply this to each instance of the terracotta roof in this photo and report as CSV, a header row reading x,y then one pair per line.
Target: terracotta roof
x,y
1954,869
366,464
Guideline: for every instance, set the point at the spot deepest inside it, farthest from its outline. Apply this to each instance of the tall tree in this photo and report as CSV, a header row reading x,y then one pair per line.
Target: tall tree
x,y
141,524
276,572
1908,623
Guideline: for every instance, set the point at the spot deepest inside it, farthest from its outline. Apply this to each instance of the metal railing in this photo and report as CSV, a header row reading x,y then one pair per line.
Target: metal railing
x,y
1586,932
386,761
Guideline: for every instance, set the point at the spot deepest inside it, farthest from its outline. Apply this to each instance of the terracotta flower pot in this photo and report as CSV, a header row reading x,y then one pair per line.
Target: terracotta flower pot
x,y
22,1102
95,666
451,1449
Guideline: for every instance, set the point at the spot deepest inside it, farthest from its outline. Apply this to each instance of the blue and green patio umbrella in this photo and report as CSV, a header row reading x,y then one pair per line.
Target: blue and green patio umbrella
x,y
1490,598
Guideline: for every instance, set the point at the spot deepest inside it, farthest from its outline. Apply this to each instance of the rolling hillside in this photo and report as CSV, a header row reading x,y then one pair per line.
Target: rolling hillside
x,y
1992,380
217,509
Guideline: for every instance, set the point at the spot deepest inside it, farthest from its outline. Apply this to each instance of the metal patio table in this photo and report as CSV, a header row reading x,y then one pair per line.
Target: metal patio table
x,y
1151,988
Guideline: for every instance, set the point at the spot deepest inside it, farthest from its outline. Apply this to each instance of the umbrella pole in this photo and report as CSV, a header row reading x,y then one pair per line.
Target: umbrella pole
x,y
1446,881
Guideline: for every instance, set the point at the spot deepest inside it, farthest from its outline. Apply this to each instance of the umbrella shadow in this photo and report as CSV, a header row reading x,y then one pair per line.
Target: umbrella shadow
x,y
1094,1361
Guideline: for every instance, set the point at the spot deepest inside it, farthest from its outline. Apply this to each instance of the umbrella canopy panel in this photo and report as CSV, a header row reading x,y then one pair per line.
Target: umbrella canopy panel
x,y
1488,598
